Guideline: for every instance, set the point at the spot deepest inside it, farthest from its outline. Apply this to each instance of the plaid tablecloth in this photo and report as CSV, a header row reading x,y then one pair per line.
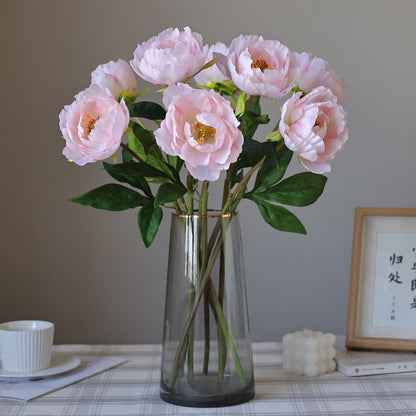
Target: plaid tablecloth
x,y
133,389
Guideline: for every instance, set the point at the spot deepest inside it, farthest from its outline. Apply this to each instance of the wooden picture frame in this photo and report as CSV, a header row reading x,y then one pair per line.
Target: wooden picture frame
x,y
382,296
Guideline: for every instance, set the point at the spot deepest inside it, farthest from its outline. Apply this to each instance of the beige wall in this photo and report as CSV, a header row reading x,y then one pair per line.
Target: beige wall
x,y
87,270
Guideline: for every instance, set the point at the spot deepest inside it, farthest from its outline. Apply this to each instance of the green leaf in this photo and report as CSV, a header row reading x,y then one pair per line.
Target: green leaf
x,y
126,156
236,176
130,173
147,109
143,143
280,218
273,168
226,87
169,192
255,105
275,136
149,171
111,197
176,162
149,219
240,106
252,152
299,190
251,121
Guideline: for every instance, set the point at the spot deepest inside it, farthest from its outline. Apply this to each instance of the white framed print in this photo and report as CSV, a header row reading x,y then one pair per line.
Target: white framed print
x,y
382,297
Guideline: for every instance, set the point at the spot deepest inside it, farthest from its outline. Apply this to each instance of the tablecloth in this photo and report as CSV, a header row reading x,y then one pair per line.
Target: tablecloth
x,y
132,388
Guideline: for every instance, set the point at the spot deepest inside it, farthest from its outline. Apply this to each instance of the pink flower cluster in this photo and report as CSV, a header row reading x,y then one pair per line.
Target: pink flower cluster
x,y
314,127
170,57
200,125
314,72
93,125
259,67
117,77
201,128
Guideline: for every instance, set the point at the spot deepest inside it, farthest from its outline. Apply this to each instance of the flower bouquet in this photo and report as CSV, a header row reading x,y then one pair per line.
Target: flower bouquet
x,y
205,131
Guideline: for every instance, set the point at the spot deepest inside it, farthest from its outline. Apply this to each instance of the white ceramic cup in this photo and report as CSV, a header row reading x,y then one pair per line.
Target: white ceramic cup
x,y
26,346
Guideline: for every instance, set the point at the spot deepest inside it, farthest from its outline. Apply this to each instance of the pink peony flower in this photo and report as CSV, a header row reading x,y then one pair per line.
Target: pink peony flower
x,y
212,74
118,77
313,72
260,67
170,57
200,127
314,127
93,125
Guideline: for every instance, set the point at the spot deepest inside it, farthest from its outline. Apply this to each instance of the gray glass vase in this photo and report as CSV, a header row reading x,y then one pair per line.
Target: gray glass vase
x,y
207,356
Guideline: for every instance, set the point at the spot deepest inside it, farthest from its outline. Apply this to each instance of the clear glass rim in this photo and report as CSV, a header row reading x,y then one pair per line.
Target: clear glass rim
x,y
211,213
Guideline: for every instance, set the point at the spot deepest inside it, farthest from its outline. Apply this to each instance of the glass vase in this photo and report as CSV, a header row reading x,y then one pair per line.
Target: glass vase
x,y
207,356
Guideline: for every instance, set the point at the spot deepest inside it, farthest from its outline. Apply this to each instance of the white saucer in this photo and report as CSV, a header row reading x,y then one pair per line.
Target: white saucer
x,y
60,363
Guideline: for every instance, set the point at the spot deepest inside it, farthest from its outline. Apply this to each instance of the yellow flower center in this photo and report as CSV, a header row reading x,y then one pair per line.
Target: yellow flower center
x,y
261,63
88,123
319,122
204,134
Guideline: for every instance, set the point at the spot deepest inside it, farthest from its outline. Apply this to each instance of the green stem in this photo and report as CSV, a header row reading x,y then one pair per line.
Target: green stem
x,y
207,65
181,361
226,190
177,207
203,210
228,335
243,184
213,250
248,105
133,153
206,280
249,102
191,340
191,316
182,205
232,203
222,350
203,206
207,333
190,194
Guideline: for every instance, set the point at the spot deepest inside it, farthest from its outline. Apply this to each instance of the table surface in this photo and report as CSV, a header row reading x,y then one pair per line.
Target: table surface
x,y
132,388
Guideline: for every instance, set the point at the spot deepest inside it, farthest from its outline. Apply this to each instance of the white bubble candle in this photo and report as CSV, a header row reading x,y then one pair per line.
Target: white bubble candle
x,y
309,353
